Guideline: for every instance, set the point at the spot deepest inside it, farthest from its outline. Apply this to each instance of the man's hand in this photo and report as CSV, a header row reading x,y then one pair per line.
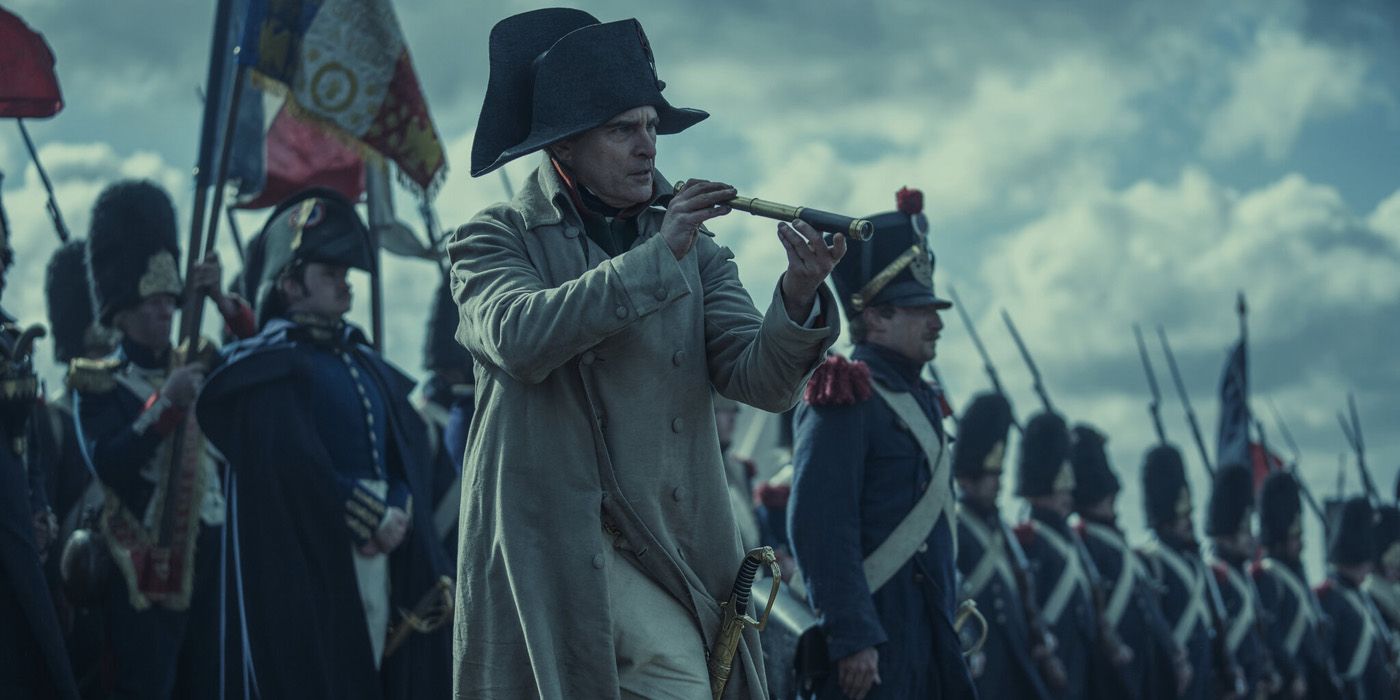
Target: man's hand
x,y
207,278
696,202
183,385
810,261
857,673
392,530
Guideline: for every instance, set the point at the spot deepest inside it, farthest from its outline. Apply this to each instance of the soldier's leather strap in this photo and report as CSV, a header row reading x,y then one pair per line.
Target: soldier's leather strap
x,y
1303,616
1123,587
1071,577
1240,625
1195,583
1367,640
992,563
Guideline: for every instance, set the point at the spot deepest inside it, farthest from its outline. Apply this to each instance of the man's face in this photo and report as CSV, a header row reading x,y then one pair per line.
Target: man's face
x,y
615,161
725,418
981,490
912,331
1105,509
323,291
148,324
1182,527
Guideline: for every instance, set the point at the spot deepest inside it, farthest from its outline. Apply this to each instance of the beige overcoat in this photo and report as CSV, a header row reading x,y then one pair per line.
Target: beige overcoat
x,y
593,384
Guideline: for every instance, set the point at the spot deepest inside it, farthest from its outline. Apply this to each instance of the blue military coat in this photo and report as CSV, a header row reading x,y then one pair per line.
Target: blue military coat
x,y
989,578
1358,651
1180,574
857,472
1242,631
1074,625
1295,629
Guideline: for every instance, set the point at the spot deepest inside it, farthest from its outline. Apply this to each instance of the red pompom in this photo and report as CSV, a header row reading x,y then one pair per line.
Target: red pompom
x,y
909,201
838,382
772,496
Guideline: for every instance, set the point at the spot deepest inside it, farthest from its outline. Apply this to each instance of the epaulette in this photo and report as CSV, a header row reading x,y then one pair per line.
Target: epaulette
x,y
1079,526
772,496
838,382
1323,588
1222,574
92,376
1025,533
1256,568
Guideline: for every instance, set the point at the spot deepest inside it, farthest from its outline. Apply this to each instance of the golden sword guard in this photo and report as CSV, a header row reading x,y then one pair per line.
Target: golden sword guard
x,y
734,615
968,611
433,610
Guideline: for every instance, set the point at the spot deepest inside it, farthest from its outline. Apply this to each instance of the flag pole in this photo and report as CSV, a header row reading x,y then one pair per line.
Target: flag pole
x,y
54,213
378,169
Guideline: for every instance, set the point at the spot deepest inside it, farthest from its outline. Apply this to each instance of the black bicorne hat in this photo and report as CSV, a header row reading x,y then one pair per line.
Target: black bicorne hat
x,y
1387,535
69,298
1094,479
894,267
558,72
441,351
1165,493
981,445
315,225
1354,538
1231,498
132,247
1280,510
1044,466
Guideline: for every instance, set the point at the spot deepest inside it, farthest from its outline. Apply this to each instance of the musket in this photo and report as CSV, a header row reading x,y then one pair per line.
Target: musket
x,y
824,221
1154,407
1352,432
1052,669
1038,385
942,390
1293,447
987,365
1185,401
51,205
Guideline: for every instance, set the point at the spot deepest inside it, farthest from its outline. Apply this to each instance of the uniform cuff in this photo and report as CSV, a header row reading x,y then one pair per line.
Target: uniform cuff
x,y
651,277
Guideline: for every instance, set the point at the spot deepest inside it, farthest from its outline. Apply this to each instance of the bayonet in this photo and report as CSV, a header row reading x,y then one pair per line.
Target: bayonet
x,y
1185,401
1038,385
987,365
1154,407
1352,431
1302,487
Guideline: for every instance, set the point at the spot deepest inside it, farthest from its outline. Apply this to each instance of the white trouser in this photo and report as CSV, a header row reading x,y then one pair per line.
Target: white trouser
x,y
660,653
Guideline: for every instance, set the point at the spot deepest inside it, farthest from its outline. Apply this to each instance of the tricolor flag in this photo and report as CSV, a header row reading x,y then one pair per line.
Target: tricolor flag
x,y
295,154
1232,441
28,86
344,64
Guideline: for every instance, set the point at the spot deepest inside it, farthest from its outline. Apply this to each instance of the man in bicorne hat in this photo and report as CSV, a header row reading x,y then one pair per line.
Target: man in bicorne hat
x,y
331,518
989,555
1157,667
163,512
1229,525
1295,627
1045,478
1359,650
596,533
1174,557
871,518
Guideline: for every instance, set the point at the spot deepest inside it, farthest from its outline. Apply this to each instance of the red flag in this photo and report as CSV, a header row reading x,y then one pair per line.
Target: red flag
x,y
28,86
1262,462
300,155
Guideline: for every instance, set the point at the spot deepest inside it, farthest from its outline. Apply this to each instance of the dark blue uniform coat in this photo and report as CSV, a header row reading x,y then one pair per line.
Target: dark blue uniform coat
x,y
858,472
1284,595
1250,652
1364,675
1075,628
1178,602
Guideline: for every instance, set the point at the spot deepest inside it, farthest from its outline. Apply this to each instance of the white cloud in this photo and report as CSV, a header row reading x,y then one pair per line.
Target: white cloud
x,y
1281,85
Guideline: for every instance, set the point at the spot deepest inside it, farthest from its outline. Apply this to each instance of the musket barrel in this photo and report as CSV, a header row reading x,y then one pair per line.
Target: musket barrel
x,y
824,221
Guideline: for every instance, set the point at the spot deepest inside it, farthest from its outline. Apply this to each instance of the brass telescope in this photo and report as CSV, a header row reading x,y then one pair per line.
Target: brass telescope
x,y
824,221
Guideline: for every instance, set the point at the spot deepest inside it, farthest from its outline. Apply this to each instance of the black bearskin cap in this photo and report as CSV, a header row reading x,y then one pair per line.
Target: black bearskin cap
x,y
1164,486
1280,509
133,252
1387,530
70,302
1044,456
1094,479
1231,497
981,445
441,351
1354,538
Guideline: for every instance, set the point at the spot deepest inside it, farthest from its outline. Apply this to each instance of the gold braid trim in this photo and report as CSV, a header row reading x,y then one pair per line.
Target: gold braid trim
x,y
92,376
887,275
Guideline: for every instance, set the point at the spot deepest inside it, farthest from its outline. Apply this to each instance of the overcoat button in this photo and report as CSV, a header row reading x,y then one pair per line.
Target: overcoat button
x,y
597,561
588,357
660,293
621,311
678,357
676,494
677,425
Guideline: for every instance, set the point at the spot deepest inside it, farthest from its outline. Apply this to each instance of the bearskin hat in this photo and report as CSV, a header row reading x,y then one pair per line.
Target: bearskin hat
x,y
981,445
1044,466
1231,498
1094,479
1280,509
132,248
1387,535
69,299
1354,538
441,351
1165,493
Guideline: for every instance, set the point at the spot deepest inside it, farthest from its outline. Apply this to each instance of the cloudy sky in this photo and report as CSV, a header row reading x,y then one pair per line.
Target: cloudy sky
x,y
1087,165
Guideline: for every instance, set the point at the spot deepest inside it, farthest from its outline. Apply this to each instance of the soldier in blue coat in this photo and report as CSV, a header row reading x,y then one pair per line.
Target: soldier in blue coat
x,y
1296,629
1229,517
1157,666
995,572
868,448
1359,644
1045,479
